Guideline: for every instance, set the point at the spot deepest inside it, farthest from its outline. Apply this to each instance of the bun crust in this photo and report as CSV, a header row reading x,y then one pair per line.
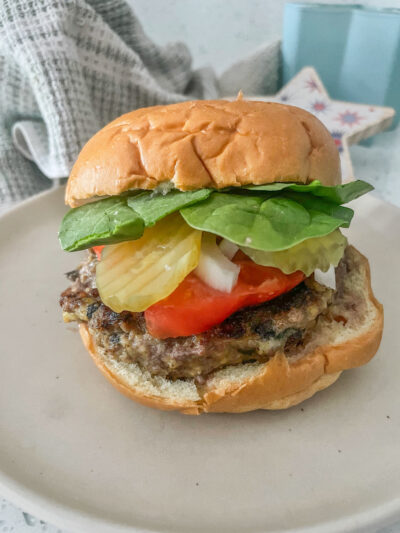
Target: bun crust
x,y
278,384
205,143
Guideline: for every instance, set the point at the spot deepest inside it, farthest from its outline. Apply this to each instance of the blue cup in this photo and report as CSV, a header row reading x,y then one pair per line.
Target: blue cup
x,y
355,50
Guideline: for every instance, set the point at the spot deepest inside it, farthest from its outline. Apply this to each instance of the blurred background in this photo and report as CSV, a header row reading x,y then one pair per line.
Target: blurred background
x,y
218,32
96,59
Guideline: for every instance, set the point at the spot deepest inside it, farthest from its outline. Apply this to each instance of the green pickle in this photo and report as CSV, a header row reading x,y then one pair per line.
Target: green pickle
x,y
307,256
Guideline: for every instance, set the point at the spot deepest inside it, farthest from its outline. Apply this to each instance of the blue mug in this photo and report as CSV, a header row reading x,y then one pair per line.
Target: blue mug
x,y
355,50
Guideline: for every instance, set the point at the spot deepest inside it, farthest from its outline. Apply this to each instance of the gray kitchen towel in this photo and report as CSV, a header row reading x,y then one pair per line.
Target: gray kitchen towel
x,y
67,67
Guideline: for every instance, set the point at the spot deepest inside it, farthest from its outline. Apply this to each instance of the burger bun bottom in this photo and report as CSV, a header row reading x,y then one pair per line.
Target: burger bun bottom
x,y
348,338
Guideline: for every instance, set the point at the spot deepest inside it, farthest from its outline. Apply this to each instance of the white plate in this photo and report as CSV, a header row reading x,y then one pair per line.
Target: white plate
x,y
77,453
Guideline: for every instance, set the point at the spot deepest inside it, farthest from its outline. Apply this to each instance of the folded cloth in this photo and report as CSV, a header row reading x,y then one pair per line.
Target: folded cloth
x,y
67,67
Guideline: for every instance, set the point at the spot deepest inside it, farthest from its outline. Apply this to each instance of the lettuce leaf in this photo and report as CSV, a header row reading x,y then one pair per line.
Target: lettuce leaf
x,y
338,194
271,224
272,217
152,207
307,256
311,202
103,222
120,218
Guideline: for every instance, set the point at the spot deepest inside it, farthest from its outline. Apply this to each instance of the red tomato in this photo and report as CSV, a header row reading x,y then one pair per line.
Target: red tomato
x,y
97,250
195,307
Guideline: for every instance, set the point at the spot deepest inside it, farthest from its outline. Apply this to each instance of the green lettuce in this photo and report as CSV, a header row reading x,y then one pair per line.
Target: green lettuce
x,y
103,222
338,194
266,217
120,218
270,224
152,207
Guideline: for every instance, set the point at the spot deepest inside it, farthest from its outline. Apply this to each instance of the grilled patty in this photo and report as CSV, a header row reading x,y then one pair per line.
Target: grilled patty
x,y
251,334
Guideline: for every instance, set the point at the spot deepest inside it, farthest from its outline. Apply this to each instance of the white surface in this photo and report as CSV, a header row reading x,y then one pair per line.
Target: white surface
x,y
77,453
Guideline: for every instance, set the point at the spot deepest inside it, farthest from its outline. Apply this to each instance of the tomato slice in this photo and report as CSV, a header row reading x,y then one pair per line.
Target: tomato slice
x,y
195,307
97,250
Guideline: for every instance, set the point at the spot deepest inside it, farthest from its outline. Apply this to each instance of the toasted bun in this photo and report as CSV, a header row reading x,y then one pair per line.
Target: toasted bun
x,y
335,345
199,144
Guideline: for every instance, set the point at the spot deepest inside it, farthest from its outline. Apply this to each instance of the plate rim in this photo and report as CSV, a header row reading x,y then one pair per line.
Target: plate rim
x,y
72,520
31,199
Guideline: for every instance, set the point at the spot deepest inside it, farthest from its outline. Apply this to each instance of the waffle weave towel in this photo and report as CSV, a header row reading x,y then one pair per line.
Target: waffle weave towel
x,y
67,67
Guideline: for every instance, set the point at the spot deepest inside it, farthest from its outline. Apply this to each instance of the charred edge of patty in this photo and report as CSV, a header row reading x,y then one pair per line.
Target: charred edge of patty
x,y
251,334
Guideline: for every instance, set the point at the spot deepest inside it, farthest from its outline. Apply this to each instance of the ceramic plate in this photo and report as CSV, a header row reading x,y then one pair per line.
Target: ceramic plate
x,y
77,453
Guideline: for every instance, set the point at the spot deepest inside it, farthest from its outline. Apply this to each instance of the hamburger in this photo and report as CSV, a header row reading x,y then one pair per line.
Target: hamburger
x,y
217,277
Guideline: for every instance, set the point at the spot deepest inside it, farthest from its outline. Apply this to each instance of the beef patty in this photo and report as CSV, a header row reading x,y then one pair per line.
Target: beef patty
x,y
251,334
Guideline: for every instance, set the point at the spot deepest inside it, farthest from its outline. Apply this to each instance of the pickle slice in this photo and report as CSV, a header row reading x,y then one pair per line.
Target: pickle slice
x,y
134,275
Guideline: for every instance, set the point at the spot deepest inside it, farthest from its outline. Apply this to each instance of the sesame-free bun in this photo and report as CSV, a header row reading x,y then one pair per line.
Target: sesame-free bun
x,y
348,338
205,143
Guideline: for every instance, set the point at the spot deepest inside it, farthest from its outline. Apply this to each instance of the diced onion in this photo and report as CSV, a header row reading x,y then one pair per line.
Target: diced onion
x,y
164,188
214,267
228,248
326,278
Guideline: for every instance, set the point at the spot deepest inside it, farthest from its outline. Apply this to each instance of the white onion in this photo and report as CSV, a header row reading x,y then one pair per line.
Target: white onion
x,y
326,278
163,188
228,248
214,268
